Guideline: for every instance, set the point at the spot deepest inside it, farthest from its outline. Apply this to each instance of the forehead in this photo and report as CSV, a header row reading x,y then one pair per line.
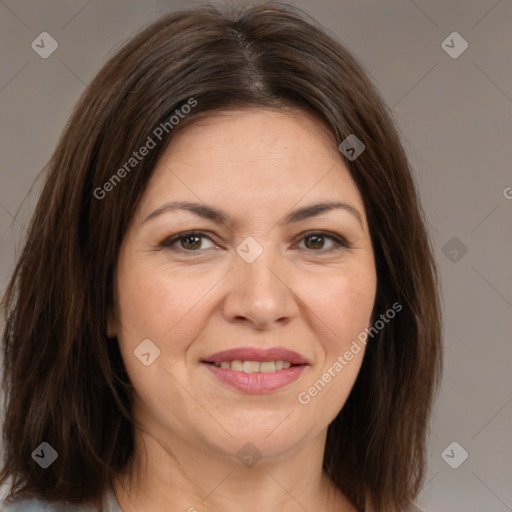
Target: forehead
x,y
260,133
259,157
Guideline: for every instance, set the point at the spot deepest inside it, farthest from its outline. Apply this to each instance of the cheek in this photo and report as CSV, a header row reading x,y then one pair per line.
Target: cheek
x,y
154,301
152,306
346,306
165,305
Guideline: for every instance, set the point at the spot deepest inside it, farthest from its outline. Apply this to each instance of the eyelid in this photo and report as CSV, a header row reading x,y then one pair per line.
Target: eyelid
x,y
339,241
171,240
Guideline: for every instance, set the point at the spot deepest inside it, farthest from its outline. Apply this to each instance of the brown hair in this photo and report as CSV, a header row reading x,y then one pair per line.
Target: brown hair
x,y
64,380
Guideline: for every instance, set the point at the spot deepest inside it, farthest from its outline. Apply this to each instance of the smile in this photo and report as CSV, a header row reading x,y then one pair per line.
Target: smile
x,y
254,366
255,377
255,369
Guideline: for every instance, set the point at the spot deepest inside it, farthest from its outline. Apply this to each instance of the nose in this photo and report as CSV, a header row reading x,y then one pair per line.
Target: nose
x,y
260,292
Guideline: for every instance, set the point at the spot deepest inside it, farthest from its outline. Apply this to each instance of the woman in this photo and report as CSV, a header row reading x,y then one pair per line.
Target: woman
x,y
227,299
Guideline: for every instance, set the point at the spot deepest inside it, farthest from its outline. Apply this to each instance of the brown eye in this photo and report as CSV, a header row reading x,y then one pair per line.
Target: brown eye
x,y
191,242
315,241
188,242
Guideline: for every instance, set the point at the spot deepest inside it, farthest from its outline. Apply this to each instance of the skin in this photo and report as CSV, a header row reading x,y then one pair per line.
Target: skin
x,y
301,293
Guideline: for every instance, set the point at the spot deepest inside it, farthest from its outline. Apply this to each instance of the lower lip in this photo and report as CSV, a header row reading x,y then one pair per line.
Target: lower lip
x,y
259,382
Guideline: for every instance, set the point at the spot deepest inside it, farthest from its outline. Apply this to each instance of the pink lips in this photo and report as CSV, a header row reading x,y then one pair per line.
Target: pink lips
x,y
260,382
256,354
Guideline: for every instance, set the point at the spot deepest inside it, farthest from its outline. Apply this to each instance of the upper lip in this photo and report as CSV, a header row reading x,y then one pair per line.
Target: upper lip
x,y
256,354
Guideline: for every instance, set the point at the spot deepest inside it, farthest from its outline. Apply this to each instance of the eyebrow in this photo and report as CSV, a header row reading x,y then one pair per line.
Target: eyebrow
x,y
221,217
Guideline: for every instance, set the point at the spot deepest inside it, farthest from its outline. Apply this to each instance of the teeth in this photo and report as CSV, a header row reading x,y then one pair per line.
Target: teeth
x,y
254,366
267,366
237,365
251,366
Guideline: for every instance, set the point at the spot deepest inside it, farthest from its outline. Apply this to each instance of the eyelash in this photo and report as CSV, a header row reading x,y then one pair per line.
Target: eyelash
x,y
168,243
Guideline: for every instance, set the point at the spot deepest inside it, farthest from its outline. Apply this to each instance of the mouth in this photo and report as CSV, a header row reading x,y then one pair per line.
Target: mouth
x,y
276,355
254,366
256,370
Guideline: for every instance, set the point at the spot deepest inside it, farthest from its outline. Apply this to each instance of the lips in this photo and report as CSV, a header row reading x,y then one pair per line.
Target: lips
x,y
257,354
244,378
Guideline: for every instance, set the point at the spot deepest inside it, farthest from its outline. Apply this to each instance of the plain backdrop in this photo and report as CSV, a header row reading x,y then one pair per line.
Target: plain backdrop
x,y
454,111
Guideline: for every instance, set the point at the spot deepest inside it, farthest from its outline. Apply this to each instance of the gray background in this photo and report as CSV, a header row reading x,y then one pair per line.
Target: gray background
x,y
455,117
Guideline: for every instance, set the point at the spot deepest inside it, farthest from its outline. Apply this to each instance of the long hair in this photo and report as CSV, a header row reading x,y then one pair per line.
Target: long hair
x,y
64,379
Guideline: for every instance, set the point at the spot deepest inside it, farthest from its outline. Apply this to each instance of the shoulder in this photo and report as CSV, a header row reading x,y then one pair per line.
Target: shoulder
x,y
24,504
415,508
39,505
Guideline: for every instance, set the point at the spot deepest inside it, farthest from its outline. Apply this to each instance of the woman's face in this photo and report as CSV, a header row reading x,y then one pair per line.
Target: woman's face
x,y
258,278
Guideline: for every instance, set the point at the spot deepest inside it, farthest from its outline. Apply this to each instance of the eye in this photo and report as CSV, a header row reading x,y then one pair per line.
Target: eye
x,y
315,240
191,241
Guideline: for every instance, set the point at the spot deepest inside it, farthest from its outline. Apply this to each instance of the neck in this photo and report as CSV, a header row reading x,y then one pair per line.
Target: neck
x,y
200,479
